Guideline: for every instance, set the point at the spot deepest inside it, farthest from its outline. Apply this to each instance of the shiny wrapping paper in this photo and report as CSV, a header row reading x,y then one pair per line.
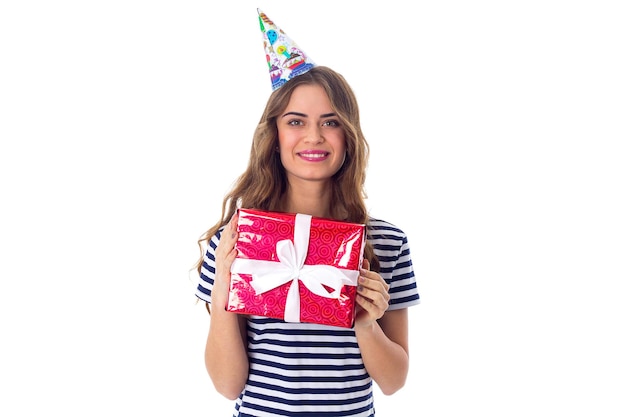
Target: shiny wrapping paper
x,y
296,267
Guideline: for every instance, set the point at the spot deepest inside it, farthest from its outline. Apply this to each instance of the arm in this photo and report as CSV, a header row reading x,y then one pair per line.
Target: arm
x,y
382,335
384,348
226,356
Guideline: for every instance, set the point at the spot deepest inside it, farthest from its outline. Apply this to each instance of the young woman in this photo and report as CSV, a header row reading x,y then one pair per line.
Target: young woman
x,y
309,156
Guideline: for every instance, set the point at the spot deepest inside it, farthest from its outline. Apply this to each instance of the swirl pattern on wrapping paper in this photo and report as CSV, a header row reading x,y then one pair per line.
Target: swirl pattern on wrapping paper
x,y
309,310
284,231
327,314
335,243
321,248
348,293
324,252
258,235
329,311
268,227
272,303
349,242
341,315
241,294
243,299
347,303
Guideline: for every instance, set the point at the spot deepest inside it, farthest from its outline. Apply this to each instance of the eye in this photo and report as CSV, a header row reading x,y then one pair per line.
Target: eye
x,y
295,122
331,123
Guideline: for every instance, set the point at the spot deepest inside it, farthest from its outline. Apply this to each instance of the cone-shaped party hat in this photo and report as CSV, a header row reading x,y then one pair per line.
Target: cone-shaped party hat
x,y
284,59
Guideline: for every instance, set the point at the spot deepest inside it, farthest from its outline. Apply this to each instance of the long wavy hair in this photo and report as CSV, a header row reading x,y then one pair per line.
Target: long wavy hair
x,y
264,182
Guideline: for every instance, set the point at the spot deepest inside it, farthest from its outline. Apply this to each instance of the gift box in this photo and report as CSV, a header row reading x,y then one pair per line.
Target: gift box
x,y
296,267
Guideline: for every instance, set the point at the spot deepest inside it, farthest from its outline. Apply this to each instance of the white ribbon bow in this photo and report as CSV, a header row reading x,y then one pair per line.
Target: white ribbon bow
x,y
267,275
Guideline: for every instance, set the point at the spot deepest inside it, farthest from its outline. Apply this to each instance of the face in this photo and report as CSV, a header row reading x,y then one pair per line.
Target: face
x,y
311,140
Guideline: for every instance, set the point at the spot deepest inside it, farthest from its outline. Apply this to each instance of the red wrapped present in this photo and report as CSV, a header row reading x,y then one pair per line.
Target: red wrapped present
x,y
296,267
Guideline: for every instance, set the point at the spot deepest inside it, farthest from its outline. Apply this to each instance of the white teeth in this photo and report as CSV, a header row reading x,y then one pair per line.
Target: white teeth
x,y
313,155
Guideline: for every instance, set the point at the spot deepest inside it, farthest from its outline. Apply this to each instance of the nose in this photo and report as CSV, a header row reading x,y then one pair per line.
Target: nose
x,y
314,134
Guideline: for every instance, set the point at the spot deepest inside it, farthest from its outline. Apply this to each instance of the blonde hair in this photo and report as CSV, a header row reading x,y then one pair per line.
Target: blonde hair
x,y
263,184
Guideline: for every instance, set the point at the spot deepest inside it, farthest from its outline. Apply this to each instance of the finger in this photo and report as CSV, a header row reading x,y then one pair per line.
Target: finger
x,y
232,225
373,281
375,296
366,264
373,309
227,242
377,281
230,258
385,290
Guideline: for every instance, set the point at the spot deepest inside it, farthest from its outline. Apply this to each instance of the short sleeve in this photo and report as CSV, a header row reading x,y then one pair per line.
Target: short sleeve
x,y
391,246
207,271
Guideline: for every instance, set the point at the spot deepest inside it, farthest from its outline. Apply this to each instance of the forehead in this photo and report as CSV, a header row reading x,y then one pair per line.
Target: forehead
x,y
309,96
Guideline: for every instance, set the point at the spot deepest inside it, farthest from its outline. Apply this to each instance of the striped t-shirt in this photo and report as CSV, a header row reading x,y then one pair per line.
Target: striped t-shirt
x,y
303,369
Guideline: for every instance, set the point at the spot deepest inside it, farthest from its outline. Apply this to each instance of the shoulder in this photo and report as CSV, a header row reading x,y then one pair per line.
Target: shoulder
x,y
391,247
382,230
214,240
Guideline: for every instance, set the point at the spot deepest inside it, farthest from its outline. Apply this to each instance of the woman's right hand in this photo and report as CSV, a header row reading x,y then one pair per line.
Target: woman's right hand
x,y
225,254
226,354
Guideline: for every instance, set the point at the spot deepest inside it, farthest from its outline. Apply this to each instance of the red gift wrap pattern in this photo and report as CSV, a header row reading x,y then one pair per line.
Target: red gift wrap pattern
x,y
296,267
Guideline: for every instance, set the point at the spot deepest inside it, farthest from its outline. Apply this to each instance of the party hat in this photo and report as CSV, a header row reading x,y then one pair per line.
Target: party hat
x,y
284,59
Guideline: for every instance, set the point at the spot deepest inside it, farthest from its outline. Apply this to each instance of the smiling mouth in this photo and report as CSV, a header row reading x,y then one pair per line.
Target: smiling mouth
x,y
315,155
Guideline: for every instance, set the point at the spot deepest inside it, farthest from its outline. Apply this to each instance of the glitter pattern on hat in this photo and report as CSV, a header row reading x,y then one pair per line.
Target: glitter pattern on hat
x,y
284,59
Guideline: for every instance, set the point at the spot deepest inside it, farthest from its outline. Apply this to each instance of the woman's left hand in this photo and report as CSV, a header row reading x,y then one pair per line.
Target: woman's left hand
x,y
372,297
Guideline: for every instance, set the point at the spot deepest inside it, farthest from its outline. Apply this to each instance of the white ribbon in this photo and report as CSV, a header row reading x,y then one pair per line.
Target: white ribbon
x,y
267,275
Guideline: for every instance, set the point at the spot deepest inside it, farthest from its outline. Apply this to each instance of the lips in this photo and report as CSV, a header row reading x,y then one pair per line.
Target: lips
x,y
313,155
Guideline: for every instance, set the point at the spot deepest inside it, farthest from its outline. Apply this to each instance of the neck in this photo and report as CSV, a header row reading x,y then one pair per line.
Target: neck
x,y
311,198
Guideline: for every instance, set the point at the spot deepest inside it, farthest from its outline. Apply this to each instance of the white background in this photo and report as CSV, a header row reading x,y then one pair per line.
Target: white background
x,y
497,132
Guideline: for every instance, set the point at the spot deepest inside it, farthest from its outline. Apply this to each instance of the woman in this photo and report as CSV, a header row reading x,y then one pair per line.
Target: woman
x,y
309,156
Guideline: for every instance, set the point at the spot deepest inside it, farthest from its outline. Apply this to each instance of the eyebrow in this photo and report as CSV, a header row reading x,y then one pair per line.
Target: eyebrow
x,y
295,113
